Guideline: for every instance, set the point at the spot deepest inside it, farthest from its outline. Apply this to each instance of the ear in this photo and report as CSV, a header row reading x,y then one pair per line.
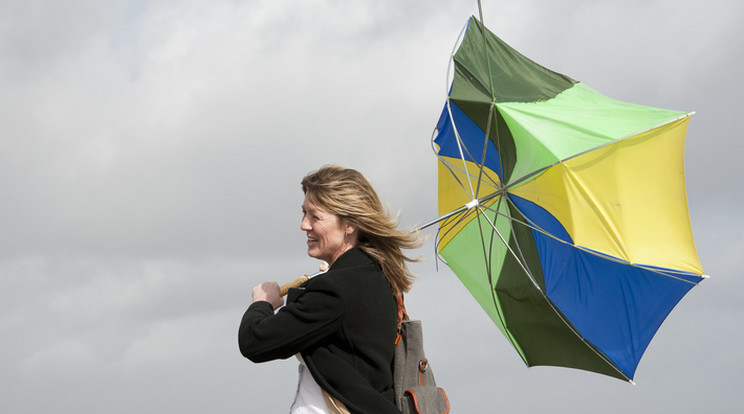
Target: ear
x,y
349,229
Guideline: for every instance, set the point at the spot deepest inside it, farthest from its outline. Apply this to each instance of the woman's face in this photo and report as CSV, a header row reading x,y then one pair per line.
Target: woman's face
x,y
327,237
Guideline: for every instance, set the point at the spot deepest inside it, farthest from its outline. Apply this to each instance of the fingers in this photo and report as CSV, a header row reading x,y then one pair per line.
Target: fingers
x,y
268,292
323,266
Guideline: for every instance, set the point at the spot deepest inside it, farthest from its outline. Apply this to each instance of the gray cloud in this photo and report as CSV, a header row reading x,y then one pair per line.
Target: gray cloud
x,y
150,159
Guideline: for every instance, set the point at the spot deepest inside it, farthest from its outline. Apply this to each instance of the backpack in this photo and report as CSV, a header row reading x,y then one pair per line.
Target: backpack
x,y
416,392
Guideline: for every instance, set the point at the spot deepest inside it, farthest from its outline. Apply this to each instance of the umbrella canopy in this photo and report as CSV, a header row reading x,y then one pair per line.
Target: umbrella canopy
x,y
564,212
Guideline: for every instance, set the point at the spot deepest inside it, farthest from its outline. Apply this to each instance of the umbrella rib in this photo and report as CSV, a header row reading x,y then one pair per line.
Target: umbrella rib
x,y
451,60
463,149
464,211
493,100
453,167
482,164
487,256
540,170
542,293
474,194
460,219
485,53
522,262
466,172
518,245
460,146
506,243
531,225
449,108
544,296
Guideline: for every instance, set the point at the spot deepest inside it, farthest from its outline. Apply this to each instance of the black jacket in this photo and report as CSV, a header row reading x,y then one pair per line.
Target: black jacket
x,y
343,323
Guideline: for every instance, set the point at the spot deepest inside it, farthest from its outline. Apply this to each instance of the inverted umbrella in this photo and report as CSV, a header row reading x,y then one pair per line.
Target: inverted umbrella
x,y
563,212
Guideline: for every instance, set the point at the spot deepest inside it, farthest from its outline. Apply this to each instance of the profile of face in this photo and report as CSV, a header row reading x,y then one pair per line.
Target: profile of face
x,y
327,236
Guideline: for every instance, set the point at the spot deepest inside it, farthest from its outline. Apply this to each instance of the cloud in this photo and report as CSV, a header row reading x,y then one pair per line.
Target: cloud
x,y
150,159
179,341
63,355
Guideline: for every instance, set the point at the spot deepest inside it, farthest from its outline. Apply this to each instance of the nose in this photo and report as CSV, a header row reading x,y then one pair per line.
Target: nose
x,y
305,224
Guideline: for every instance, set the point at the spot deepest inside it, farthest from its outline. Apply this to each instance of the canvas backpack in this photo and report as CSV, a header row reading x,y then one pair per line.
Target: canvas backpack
x,y
416,392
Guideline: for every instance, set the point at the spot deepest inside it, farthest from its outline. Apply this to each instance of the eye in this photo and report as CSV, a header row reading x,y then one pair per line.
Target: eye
x,y
312,216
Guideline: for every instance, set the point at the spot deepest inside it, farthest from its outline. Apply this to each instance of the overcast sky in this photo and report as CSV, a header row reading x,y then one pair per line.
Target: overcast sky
x,y
150,159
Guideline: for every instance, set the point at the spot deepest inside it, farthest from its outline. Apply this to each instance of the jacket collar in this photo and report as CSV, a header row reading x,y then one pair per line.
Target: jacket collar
x,y
352,257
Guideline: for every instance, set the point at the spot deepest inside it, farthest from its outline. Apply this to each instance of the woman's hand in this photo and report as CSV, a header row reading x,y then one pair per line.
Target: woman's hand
x,y
269,292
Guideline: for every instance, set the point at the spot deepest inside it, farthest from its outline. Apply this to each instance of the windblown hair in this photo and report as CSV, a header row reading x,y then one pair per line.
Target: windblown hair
x,y
350,196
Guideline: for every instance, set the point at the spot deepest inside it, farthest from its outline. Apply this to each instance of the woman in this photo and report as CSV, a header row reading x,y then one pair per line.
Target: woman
x,y
342,324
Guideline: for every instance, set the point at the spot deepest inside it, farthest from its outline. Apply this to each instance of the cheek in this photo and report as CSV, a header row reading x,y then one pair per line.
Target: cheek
x,y
339,237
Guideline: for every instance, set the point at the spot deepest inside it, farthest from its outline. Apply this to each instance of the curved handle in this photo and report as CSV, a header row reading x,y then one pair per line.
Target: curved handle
x,y
283,289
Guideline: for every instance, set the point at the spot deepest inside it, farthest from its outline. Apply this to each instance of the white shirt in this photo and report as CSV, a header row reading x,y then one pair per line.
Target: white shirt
x,y
309,396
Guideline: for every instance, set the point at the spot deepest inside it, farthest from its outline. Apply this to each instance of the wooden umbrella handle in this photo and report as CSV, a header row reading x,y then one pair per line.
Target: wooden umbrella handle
x,y
283,289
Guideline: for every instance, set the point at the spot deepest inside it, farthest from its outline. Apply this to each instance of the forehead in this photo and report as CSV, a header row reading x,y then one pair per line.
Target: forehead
x,y
308,205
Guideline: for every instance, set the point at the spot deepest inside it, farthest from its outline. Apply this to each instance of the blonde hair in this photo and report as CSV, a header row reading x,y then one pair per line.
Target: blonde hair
x,y
350,196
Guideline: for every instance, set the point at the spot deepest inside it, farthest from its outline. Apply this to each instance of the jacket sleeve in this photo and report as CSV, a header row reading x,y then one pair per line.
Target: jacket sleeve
x,y
311,318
